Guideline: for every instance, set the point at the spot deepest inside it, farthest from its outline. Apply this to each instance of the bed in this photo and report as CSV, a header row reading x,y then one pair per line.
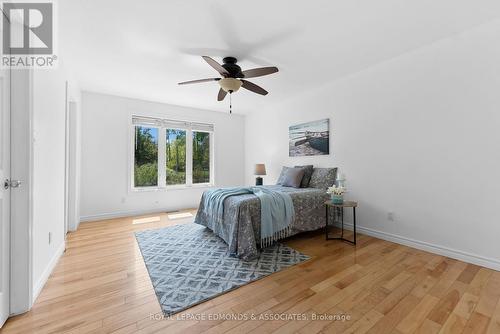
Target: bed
x,y
240,227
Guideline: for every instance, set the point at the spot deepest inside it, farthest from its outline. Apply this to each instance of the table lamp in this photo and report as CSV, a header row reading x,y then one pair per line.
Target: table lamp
x,y
260,169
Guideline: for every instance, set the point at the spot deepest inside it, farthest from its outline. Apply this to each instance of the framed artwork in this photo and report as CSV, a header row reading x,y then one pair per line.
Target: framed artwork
x,y
312,138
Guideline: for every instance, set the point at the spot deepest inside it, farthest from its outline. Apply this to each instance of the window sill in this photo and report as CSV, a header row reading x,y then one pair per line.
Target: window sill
x,y
173,187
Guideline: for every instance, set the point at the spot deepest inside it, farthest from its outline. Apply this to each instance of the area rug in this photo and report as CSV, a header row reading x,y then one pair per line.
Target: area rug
x,y
188,264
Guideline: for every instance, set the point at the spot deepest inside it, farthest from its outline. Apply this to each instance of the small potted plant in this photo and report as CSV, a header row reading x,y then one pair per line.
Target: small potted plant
x,y
337,194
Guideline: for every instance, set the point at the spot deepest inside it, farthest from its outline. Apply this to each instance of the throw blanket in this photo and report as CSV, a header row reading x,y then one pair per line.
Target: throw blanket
x,y
276,210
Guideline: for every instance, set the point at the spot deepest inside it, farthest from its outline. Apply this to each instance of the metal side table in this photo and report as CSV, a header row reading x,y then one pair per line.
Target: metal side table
x,y
339,208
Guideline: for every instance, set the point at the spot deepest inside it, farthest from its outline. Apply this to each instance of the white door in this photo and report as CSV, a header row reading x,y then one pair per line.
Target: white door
x,y
4,195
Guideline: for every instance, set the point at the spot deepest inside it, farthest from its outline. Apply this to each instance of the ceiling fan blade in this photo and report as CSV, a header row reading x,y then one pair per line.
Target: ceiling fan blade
x,y
222,94
258,72
218,67
198,81
253,87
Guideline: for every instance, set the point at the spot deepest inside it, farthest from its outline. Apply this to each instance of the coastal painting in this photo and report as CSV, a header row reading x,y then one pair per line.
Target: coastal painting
x,y
312,138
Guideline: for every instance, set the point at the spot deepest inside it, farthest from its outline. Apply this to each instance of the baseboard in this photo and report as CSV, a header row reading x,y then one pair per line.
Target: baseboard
x,y
122,214
432,248
48,270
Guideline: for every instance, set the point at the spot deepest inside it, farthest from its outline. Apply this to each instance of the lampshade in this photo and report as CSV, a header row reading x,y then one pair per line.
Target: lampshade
x,y
230,84
260,169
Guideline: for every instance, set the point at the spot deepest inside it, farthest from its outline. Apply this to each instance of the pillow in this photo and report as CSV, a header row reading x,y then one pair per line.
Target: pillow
x,y
322,178
308,170
282,175
293,177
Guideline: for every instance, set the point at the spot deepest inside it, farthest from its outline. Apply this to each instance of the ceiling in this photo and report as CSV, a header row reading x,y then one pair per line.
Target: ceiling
x,y
141,49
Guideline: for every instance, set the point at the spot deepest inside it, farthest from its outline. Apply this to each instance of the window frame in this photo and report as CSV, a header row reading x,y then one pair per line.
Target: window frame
x,y
189,127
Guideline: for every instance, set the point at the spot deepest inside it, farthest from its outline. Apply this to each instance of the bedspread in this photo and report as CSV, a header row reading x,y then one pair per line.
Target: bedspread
x,y
240,227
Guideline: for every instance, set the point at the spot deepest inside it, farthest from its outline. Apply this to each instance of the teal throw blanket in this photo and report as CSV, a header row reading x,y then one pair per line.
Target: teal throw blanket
x,y
276,210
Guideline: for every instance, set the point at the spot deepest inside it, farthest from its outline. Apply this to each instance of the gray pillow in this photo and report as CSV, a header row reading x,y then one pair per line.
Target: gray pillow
x,y
282,175
322,178
293,177
308,170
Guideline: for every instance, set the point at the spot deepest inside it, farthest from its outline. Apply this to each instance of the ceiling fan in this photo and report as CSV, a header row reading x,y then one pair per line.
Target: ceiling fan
x,y
233,77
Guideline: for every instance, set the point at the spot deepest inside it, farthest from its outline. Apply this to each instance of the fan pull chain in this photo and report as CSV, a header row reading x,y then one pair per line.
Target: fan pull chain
x,y
230,102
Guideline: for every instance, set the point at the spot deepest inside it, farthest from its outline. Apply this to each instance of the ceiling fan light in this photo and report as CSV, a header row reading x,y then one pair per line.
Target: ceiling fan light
x,y
230,84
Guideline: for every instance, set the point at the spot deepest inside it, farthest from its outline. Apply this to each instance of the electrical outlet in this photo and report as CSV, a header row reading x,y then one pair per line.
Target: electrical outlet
x,y
50,237
390,216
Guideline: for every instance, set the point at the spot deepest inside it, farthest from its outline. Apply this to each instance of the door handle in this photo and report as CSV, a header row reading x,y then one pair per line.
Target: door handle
x,y
11,183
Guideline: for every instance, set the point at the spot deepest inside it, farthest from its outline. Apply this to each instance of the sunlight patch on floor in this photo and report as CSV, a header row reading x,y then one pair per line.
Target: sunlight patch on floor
x,y
146,220
180,215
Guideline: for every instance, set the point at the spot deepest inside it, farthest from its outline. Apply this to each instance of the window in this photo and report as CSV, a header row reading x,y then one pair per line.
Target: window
x,y
145,156
201,157
171,153
176,157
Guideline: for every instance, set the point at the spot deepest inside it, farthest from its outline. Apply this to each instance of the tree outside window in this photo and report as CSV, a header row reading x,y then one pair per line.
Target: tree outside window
x,y
146,157
201,157
171,153
176,156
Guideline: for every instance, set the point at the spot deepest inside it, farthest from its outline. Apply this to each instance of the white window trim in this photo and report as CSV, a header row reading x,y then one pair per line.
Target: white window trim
x,y
162,144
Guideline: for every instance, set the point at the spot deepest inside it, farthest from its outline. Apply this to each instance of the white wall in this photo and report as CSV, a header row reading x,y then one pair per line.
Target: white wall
x,y
49,115
417,135
106,154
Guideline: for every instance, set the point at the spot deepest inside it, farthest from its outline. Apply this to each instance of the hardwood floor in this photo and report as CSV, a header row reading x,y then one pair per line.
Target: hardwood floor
x,y
101,285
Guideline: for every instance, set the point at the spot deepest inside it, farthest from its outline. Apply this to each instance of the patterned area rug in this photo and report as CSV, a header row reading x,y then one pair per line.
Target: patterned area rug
x,y
188,264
